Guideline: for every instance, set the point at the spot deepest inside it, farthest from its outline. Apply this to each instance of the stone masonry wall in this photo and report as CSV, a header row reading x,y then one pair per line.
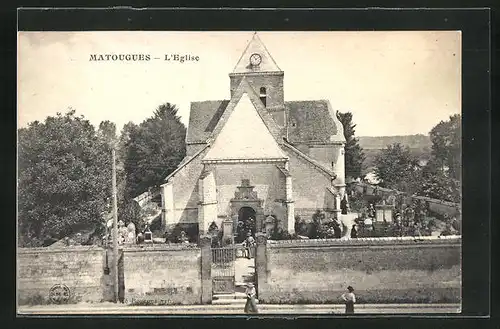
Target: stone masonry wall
x,y
269,184
272,83
309,187
169,275
79,268
381,270
185,192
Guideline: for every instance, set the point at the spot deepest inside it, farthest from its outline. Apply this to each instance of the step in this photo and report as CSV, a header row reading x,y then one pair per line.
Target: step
x,y
230,299
241,302
242,284
236,295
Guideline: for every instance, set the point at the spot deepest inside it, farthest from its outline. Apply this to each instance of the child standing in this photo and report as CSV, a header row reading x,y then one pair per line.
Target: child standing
x,y
349,299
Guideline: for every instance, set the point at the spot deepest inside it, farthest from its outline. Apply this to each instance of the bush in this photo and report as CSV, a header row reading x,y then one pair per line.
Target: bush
x,y
130,211
173,234
280,234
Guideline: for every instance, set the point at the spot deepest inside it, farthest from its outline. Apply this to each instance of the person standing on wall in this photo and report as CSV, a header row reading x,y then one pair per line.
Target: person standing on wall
x,y
349,299
251,304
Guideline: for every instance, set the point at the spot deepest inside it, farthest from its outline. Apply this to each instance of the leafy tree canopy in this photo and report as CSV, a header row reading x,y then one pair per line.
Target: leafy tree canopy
x,y
446,145
397,168
153,149
63,181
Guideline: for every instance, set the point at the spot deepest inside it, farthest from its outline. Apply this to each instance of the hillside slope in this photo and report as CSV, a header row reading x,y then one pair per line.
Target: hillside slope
x,y
420,146
380,142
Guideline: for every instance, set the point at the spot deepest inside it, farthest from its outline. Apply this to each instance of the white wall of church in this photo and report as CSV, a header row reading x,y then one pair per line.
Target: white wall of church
x,y
326,155
268,180
309,187
185,192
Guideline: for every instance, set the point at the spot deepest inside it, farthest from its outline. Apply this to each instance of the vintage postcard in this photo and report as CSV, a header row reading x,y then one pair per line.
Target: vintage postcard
x,y
242,172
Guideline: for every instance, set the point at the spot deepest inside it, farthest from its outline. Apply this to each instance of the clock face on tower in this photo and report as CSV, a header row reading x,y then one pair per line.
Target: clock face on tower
x,y
255,59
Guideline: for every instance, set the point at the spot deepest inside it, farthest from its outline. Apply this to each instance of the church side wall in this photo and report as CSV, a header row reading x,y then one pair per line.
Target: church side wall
x,y
309,187
268,180
332,157
318,271
185,192
326,155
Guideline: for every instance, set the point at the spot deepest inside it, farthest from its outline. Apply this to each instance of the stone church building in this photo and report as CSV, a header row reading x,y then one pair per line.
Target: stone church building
x,y
257,155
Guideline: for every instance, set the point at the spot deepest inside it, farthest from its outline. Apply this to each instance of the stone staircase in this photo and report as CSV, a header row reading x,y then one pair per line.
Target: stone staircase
x,y
237,298
244,273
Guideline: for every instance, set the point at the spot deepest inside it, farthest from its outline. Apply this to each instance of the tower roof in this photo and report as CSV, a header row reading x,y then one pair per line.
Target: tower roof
x,y
266,64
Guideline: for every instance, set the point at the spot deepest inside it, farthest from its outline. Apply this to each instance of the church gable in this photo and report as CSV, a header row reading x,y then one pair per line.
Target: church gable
x,y
256,58
243,135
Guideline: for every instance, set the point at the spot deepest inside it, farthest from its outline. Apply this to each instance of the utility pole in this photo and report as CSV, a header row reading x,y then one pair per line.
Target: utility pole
x,y
115,228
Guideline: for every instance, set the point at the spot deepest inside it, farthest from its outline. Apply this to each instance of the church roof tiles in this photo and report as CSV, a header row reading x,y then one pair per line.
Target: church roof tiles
x,y
311,121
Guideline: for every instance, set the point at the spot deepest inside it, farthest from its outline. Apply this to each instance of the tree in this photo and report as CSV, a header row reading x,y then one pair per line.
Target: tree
x,y
354,155
129,129
107,132
446,145
437,184
153,150
398,169
64,174
441,176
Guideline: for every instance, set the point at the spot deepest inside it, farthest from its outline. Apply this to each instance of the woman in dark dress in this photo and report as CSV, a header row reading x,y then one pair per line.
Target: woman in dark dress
x,y
251,304
349,299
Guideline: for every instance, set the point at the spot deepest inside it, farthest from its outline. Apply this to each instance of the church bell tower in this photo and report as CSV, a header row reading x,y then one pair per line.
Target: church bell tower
x,y
263,75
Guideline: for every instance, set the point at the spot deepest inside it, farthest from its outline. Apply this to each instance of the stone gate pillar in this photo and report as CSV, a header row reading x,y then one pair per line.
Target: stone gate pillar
x,y
206,269
261,263
290,207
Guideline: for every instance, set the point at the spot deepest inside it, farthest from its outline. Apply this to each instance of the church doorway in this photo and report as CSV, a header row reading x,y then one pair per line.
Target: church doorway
x,y
246,223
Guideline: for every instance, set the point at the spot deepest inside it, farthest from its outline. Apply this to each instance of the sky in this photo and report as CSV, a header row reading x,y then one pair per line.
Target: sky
x,y
394,83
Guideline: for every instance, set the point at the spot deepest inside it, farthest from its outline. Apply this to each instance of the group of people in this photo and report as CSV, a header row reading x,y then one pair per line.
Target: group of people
x,y
126,233
244,228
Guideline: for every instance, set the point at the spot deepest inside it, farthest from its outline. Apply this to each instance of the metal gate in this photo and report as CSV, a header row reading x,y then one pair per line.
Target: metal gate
x,y
223,268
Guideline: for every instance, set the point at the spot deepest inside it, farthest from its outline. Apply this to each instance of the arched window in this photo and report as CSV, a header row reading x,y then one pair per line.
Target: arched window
x,y
263,95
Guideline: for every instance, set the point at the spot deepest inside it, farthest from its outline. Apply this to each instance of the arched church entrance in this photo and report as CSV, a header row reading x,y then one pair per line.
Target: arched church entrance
x,y
246,223
245,205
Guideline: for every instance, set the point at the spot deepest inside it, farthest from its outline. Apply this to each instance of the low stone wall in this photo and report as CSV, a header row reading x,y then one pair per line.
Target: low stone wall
x,y
162,275
381,270
79,268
